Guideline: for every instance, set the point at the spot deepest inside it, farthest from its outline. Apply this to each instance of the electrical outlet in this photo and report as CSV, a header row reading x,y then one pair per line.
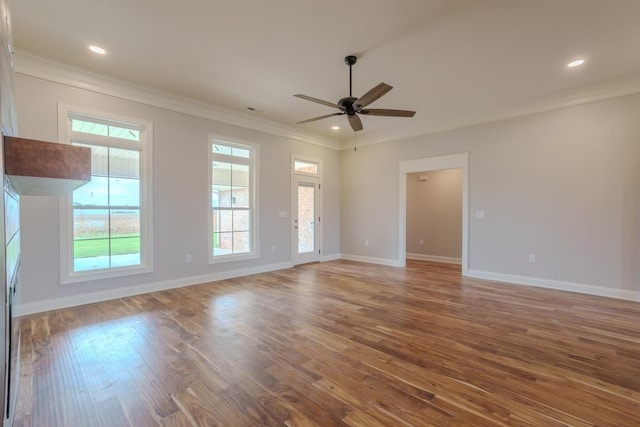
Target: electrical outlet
x,y
422,241
273,249
532,258
366,243
188,258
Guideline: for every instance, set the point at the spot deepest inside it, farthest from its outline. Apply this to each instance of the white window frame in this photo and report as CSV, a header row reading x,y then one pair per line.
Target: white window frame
x,y
144,146
253,195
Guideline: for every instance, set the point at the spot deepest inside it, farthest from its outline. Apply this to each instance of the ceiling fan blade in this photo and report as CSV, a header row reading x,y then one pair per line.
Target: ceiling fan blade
x,y
355,122
319,118
372,95
387,112
319,101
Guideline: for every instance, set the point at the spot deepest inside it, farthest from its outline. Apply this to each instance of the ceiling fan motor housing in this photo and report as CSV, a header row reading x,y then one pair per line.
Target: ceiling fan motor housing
x,y
346,105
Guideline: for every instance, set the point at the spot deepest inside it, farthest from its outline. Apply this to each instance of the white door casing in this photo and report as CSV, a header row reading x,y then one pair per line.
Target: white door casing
x,y
449,161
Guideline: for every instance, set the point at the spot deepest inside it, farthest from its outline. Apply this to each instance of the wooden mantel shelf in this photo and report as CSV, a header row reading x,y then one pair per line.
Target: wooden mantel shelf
x,y
40,168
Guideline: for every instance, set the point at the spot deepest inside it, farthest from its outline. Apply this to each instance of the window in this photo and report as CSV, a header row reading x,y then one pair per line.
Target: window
x,y
305,167
106,223
232,215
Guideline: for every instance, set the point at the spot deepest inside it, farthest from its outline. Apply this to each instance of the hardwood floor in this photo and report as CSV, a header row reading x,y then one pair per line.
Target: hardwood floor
x,y
338,343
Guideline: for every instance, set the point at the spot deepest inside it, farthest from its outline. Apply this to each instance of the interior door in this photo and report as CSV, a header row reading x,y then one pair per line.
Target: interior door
x,y
306,219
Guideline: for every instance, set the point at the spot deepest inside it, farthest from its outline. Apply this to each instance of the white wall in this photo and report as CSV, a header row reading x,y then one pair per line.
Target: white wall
x,y
179,199
562,184
434,215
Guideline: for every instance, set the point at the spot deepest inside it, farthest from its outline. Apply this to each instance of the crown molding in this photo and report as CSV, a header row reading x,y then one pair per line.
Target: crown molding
x,y
35,66
601,91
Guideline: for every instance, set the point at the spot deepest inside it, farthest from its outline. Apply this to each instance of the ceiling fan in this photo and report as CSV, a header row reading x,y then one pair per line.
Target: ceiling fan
x,y
352,106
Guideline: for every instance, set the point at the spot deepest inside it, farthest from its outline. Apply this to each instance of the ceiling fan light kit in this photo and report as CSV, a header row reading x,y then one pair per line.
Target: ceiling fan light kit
x,y
353,107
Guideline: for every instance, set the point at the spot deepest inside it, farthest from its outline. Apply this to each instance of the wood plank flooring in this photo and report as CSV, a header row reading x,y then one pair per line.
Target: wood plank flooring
x,y
338,343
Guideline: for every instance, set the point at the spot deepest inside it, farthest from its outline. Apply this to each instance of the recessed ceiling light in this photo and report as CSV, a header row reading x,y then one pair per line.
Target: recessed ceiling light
x,y
335,127
576,63
97,49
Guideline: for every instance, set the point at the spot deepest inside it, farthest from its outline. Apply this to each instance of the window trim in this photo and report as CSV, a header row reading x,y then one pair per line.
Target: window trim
x,y
67,275
253,190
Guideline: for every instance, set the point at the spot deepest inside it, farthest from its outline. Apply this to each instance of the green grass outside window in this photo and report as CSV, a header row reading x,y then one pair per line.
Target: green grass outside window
x,y
88,248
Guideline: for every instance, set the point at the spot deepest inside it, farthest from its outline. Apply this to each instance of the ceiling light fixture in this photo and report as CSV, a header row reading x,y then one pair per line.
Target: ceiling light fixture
x,y
335,127
97,49
576,63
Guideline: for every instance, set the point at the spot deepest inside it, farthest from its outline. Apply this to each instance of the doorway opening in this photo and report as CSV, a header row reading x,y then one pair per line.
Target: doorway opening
x,y
423,167
434,216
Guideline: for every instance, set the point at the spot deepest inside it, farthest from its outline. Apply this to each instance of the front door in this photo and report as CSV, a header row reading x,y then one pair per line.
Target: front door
x,y
306,220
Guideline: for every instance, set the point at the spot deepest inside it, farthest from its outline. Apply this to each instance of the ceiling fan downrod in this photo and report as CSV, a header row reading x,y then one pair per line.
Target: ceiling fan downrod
x,y
350,60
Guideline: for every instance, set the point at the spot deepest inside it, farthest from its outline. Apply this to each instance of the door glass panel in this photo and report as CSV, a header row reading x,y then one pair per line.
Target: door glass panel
x,y
306,219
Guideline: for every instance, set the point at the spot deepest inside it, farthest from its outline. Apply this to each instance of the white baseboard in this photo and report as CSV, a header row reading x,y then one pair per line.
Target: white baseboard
x,y
75,300
557,285
89,298
332,257
435,258
371,260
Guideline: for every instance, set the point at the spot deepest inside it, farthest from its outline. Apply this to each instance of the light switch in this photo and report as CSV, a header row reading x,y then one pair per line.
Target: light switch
x,y
479,214
283,214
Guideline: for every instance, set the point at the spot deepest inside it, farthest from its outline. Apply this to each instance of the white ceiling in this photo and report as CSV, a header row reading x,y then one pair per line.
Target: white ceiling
x,y
456,62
